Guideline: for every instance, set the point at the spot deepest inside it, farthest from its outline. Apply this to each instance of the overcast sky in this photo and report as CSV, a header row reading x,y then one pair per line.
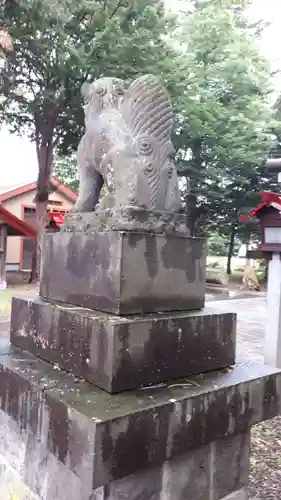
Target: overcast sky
x,y
18,158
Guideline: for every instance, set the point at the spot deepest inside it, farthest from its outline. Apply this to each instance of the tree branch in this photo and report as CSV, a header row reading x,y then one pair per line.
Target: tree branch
x,y
10,116
118,5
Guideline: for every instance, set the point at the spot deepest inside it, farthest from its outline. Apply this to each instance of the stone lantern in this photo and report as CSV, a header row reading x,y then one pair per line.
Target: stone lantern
x,y
268,213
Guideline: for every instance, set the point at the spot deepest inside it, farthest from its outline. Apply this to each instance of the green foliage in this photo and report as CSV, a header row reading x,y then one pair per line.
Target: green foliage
x,y
213,265
66,171
262,269
59,45
276,149
227,123
219,83
217,245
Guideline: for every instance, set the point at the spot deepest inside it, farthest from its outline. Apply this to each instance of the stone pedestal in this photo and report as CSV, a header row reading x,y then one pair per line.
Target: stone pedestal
x,y
122,353
62,438
123,310
124,272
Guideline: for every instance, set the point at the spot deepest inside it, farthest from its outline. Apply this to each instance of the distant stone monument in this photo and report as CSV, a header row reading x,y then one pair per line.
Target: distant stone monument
x,y
119,385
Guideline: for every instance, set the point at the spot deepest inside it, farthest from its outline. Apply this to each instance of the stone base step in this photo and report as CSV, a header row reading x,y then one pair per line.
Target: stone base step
x,y
122,353
67,439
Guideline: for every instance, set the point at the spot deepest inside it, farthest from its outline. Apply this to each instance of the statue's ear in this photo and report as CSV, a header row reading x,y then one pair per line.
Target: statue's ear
x,y
85,89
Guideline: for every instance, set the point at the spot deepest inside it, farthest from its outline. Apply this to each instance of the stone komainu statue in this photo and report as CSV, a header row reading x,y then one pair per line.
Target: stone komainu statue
x,y
127,146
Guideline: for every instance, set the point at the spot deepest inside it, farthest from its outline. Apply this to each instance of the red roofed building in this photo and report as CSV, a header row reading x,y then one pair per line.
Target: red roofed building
x,y
10,225
19,201
268,200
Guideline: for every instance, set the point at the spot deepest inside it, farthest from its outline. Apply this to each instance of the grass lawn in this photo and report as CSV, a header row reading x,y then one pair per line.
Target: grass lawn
x,y
236,262
6,299
237,267
5,302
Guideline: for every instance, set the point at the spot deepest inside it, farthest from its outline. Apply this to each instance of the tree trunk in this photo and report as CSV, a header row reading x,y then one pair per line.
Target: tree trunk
x,y
44,148
33,272
266,272
41,218
247,249
3,253
230,249
190,211
191,198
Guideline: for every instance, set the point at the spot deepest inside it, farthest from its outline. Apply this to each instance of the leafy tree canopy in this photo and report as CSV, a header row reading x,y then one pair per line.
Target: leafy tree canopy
x,y
219,82
226,126
59,45
66,171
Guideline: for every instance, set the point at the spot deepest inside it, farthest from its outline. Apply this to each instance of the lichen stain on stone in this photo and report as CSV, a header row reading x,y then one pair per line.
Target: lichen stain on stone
x,y
10,393
143,440
271,398
134,239
211,418
98,349
80,253
151,255
185,257
80,443
125,364
31,405
58,434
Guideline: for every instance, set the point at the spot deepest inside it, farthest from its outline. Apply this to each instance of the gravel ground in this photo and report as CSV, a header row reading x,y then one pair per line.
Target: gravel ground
x,y
265,471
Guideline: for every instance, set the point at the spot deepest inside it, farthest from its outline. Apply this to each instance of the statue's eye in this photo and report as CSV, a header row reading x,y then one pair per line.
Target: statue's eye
x,y
145,147
119,89
87,99
101,90
148,169
170,172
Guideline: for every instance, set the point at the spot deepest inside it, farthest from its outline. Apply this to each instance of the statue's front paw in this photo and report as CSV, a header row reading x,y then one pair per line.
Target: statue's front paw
x,y
81,206
77,208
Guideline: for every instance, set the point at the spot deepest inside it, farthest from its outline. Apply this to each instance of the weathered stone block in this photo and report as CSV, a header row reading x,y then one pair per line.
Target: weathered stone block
x,y
122,353
231,465
237,495
12,443
188,476
127,218
12,485
104,438
124,272
36,464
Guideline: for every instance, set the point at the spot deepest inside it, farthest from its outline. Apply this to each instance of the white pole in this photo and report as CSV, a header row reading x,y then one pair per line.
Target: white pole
x,y
272,347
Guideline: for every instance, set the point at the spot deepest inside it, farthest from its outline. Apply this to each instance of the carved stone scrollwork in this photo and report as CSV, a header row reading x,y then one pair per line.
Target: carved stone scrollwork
x,y
127,219
127,151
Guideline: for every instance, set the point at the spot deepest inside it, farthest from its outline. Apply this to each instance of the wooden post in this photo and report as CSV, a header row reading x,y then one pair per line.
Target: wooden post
x,y
3,251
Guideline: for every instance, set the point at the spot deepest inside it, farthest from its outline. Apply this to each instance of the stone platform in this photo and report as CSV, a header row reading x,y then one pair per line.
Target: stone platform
x,y
124,272
61,438
127,218
122,353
